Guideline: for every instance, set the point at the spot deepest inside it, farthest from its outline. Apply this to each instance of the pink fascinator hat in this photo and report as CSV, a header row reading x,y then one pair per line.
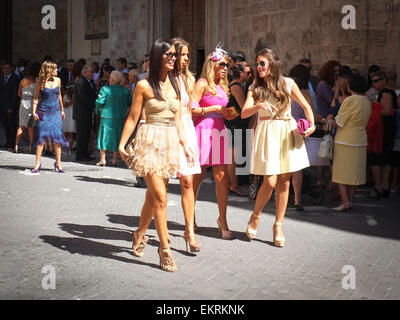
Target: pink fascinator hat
x,y
218,53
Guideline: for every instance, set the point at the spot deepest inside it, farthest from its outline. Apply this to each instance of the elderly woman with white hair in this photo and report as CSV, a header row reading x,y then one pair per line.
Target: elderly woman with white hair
x,y
112,105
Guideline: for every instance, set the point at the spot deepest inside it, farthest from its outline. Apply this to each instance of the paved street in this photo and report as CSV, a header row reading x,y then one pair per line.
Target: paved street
x,y
80,223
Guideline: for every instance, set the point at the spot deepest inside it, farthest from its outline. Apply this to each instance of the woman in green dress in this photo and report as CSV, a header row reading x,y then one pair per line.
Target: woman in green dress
x,y
112,105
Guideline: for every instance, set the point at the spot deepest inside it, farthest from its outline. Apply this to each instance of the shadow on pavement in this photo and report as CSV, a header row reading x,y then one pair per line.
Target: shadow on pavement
x,y
92,248
107,233
105,181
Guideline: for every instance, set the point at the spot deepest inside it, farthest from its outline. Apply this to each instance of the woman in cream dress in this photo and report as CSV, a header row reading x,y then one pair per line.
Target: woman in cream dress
x,y
278,148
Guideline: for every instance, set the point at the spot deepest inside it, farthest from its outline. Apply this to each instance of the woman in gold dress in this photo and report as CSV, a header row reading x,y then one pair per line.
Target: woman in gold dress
x,y
155,151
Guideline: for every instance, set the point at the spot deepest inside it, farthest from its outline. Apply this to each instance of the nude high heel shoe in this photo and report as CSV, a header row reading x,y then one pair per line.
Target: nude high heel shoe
x,y
225,234
278,241
252,233
343,207
138,249
167,263
193,248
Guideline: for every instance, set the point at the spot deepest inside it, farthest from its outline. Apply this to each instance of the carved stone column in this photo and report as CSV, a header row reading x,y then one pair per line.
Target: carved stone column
x,y
159,21
217,24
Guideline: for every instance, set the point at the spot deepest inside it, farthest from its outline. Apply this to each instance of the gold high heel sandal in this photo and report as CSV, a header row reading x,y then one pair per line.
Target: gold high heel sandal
x,y
225,234
278,241
252,233
167,263
138,250
195,248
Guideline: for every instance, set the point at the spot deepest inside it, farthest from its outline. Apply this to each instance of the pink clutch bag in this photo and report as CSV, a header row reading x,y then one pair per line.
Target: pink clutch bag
x,y
302,125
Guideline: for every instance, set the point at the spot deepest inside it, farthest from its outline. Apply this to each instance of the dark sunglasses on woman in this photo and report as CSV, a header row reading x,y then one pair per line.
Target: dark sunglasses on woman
x,y
170,55
262,64
223,65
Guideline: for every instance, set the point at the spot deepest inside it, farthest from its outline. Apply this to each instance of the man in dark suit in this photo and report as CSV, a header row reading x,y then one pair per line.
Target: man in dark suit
x,y
9,104
65,73
85,99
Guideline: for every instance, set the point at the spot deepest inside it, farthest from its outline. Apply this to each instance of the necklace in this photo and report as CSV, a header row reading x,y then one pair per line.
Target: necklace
x,y
52,84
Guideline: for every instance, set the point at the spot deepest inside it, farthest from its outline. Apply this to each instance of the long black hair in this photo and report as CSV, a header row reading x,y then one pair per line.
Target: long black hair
x,y
301,75
156,57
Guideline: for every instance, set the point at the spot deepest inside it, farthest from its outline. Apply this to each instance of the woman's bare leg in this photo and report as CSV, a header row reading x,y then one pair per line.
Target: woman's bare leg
x,y
39,150
263,196
297,179
221,190
57,152
188,200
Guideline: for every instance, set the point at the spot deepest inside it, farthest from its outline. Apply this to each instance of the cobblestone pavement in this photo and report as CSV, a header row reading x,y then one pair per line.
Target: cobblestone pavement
x,y
80,223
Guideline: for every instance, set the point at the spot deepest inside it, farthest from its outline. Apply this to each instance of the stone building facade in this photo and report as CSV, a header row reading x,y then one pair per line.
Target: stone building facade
x,y
313,29
295,28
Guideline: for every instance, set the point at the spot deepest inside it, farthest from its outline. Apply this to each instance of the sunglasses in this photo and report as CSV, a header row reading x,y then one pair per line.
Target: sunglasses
x,y
171,55
262,64
223,65
376,80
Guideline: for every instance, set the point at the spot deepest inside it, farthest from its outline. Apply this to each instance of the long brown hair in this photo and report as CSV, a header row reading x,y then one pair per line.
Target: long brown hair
x,y
46,72
275,86
187,76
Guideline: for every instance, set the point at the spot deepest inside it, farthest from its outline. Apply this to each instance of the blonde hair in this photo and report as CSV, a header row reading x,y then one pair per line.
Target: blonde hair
x,y
116,76
187,76
208,74
46,72
275,86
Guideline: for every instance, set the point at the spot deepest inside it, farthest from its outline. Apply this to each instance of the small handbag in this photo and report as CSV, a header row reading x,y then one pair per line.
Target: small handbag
x,y
303,125
326,146
129,150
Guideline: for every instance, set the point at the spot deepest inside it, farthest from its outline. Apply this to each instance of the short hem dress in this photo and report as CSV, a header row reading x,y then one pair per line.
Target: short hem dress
x,y
212,135
186,168
278,147
155,148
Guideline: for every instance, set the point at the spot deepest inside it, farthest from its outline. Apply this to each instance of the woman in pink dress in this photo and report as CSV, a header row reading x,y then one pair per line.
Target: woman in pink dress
x,y
209,110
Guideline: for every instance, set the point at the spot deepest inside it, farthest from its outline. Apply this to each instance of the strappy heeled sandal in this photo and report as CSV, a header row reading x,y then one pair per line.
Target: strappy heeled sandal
x,y
138,249
167,263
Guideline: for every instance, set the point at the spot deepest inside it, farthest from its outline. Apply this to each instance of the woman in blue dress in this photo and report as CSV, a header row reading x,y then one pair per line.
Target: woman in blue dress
x,y
49,114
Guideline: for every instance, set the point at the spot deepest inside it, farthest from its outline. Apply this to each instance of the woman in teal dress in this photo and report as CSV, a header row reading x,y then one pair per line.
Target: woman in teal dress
x,y
112,105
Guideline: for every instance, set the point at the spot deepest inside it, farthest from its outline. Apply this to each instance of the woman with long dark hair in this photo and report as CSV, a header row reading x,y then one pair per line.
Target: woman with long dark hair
x,y
278,148
155,150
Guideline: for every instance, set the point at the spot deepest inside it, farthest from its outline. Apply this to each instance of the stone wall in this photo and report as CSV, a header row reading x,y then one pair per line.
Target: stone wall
x,y
30,40
127,32
188,22
313,29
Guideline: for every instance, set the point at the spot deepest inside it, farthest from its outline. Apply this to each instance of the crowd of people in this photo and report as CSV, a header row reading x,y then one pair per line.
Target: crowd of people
x,y
164,124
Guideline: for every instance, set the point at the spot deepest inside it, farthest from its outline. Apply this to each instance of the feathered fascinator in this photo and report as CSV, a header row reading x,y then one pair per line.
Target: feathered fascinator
x,y
218,53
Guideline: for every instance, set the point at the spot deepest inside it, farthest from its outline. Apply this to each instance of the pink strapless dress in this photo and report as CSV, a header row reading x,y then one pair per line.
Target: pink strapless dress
x,y
212,135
